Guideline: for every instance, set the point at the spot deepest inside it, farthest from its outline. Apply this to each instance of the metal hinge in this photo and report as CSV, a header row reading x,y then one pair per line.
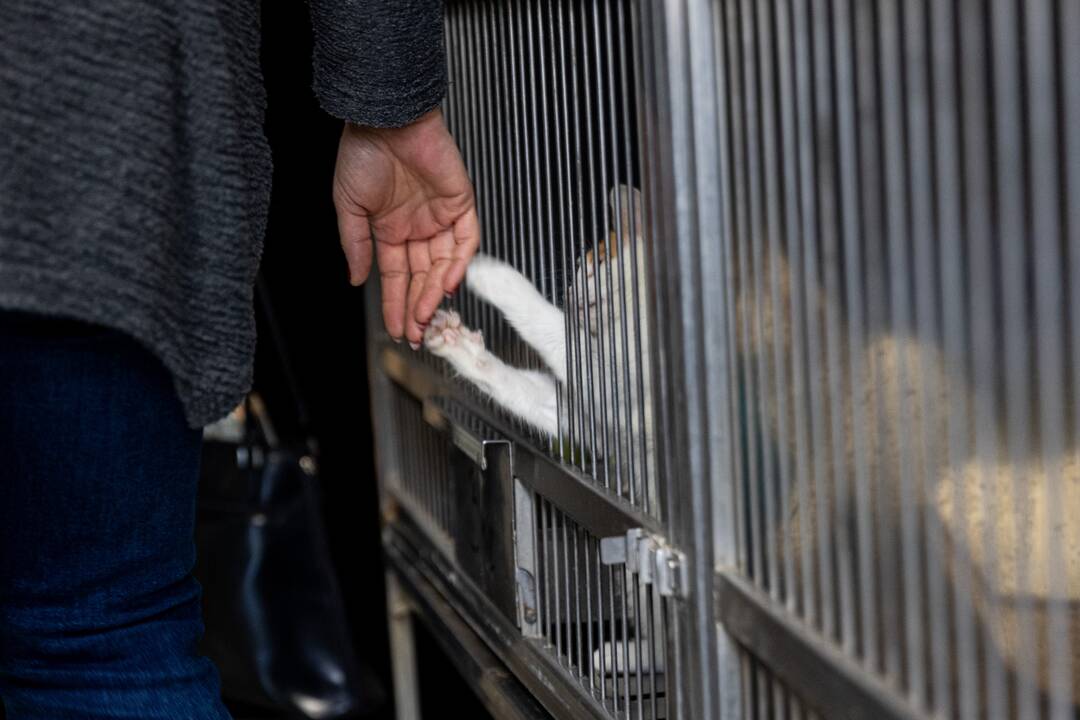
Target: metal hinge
x,y
651,557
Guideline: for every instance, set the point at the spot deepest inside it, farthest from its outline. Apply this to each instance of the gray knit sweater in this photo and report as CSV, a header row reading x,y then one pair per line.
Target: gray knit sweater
x,y
134,174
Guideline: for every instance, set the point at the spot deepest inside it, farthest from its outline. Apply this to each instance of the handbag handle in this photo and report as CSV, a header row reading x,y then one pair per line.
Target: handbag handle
x,y
276,337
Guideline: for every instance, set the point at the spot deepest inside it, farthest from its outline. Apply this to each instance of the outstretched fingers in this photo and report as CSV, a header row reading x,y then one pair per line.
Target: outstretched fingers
x,y
466,234
440,253
394,274
419,270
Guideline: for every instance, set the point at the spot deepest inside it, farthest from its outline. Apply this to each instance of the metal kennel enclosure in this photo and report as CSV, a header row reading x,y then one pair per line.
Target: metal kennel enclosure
x,y
817,450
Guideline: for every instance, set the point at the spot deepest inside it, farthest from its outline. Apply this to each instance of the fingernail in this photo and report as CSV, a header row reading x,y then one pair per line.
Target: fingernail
x,y
414,346
396,340
448,295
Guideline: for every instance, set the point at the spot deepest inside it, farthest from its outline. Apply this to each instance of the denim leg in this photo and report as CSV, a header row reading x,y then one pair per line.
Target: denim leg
x,y
99,613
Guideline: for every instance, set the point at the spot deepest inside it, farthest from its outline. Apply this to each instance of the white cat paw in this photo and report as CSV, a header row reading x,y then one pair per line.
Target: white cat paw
x,y
445,335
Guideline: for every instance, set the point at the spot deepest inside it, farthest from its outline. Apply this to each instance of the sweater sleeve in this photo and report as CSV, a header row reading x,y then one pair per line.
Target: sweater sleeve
x,y
379,63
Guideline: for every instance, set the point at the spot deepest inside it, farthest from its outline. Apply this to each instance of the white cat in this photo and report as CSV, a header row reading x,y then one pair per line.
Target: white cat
x,y
604,346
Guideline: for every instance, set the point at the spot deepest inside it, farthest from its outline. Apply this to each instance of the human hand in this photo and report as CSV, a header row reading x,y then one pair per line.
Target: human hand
x,y
406,189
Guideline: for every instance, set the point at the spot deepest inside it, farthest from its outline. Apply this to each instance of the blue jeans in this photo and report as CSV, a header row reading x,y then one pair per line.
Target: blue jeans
x,y
99,613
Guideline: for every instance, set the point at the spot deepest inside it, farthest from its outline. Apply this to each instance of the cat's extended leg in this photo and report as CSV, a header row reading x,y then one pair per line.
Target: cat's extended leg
x,y
538,322
528,394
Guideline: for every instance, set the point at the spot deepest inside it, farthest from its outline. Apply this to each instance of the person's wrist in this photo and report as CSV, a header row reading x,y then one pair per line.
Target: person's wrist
x,y
431,121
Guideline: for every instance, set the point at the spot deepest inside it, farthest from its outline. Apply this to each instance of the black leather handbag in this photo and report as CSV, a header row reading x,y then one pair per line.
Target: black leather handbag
x,y
273,610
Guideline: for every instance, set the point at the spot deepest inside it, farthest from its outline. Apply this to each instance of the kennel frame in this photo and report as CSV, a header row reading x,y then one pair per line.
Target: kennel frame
x,y
724,621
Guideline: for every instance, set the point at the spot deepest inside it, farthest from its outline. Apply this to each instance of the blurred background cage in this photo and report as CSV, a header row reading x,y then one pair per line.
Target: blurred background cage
x,y
840,479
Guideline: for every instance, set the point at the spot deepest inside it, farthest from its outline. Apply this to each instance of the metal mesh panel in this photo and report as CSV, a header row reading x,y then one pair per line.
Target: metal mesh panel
x,y
543,102
605,626
422,460
901,235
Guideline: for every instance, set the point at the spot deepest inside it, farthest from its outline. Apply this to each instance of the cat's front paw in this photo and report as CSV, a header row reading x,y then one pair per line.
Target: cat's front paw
x,y
492,280
446,335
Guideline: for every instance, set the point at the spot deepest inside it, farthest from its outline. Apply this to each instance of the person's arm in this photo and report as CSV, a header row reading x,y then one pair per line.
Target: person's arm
x,y
399,180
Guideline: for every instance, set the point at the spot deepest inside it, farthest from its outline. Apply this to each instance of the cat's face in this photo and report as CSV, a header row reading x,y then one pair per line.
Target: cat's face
x,y
600,279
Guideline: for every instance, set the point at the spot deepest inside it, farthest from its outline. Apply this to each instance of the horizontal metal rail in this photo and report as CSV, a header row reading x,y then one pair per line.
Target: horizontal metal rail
x,y
823,676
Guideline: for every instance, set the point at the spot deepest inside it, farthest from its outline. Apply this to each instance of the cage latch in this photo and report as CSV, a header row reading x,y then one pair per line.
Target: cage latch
x,y
650,557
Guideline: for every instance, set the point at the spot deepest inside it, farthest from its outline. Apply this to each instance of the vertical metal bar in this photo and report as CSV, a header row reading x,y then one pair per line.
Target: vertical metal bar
x,y
623,243
1010,223
743,283
754,232
1043,151
775,697
653,628
876,358
792,231
639,637
530,146
514,193
669,670
922,228
581,294
588,558
540,88
625,639
899,238
496,209
728,462
601,332
847,146
577,602
563,200
566,202
529,171
796,709
746,670
950,193
839,474
537,549
563,520
600,642
494,63
979,228
521,140
770,134
545,569
806,287
860,327
612,430
613,642
485,192
638,234
471,53
427,468
764,678
467,137
503,173
555,580
523,195
402,652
